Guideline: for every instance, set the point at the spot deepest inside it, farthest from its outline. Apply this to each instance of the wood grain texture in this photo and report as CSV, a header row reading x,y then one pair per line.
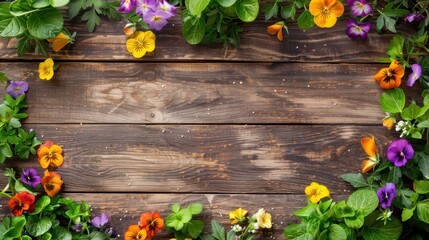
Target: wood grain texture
x,y
312,45
235,93
206,158
125,209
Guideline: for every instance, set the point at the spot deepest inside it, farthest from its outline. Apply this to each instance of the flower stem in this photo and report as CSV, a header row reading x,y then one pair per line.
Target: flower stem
x,y
3,192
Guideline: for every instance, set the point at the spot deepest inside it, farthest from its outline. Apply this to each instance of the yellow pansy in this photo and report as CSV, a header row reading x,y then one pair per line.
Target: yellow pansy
x,y
140,43
326,12
237,216
316,192
263,218
46,69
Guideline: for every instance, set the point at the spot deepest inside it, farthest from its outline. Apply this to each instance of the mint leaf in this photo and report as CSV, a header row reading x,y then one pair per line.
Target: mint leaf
x,y
355,179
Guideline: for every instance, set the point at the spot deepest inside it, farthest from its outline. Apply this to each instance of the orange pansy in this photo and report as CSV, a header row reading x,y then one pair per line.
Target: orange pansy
x,y
21,202
390,77
49,154
276,29
389,122
368,144
52,183
134,232
152,222
60,41
326,12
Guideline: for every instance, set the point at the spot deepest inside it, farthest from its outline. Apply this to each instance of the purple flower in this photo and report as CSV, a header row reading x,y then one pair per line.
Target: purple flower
x,y
78,227
17,88
100,221
143,6
399,152
386,195
416,74
357,30
127,6
156,20
110,231
166,7
30,177
360,8
414,17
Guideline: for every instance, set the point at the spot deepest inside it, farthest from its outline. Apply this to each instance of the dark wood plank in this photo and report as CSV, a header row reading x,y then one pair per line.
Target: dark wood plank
x,y
313,45
125,209
206,158
202,93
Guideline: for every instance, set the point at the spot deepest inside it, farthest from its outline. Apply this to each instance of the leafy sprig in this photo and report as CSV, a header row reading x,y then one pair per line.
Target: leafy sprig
x,y
181,221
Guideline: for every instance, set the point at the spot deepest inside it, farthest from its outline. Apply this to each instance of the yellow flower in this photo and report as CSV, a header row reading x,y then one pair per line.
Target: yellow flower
x,y
316,192
325,12
237,216
263,218
140,43
60,41
389,122
46,69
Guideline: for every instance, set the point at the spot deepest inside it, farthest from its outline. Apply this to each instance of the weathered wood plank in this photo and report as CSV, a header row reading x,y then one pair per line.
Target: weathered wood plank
x,y
313,45
125,209
206,158
202,93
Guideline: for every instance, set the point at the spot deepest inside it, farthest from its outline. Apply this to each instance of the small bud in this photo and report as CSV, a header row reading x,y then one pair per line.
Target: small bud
x,y
130,29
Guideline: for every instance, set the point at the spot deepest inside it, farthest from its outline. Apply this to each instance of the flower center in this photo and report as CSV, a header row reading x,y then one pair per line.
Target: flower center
x,y
359,5
17,89
157,18
401,154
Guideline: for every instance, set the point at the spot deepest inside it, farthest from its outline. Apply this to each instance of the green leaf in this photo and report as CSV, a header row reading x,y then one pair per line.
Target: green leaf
x,y
195,228
194,32
186,215
21,8
195,208
306,212
74,7
175,208
305,20
46,23
10,26
15,123
60,233
292,231
196,7
423,210
393,100
37,227
363,200
288,12
17,225
226,3
422,186
217,230
58,3
271,10
411,112
379,231
92,19
355,179
355,222
40,4
423,162
41,203
247,10
407,214
337,232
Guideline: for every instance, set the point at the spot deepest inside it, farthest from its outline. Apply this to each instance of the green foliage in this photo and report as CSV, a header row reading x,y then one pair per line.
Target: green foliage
x,y
218,233
181,221
393,100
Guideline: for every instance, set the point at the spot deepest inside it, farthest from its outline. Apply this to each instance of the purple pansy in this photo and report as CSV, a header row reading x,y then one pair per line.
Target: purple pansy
x,y
30,177
110,231
100,221
357,30
415,75
414,17
399,152
143,6
156,20
360,8
166,7
386,195
16,88
127,6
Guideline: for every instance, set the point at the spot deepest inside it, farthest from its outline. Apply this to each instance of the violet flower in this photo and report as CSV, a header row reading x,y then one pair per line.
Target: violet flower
x,y
399,152
30,177
360,8
156,20
415,75
357,30
143,6
127,6
16,88
414,17
100,221
166,7
110,231
386,195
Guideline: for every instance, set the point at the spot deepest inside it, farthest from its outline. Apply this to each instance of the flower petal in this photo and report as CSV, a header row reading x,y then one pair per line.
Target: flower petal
x,y
316,7
368,144
337,9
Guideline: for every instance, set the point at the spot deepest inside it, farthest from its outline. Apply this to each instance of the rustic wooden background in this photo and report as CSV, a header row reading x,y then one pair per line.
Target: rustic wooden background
x,y
247,127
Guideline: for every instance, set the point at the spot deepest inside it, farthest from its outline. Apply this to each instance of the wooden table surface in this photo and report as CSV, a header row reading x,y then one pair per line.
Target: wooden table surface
x,y
248,127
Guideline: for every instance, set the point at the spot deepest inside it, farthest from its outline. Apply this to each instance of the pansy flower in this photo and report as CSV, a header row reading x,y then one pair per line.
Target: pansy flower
x,y
357,30
17,88
389,121
143,6
399,152
140,43
127,6
390,77
21,202
386,195
152,222
60,41
30,177
263,218
51,183
100,221
415,75
134,232
414,17
46,69
156,19
166,7
368,145
238,215
276,29
360,8
317,192
50,154
326,12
